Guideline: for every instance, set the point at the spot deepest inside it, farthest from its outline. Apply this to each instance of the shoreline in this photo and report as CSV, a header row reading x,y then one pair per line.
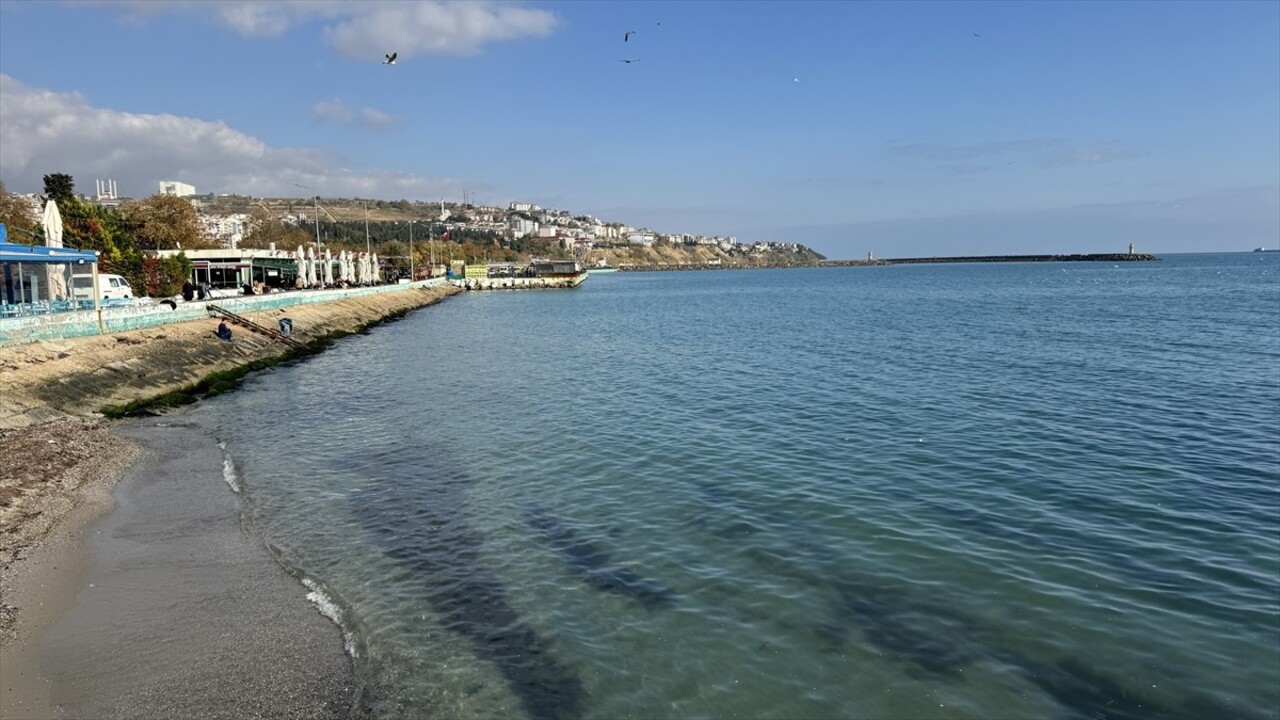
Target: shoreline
x,y
41,580
185,612
71,477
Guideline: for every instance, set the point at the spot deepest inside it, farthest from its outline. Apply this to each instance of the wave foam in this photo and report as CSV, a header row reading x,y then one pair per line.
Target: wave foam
x,y
229,472
328,608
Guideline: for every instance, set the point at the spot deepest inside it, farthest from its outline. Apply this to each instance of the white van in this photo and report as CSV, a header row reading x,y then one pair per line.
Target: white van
x,y
112,287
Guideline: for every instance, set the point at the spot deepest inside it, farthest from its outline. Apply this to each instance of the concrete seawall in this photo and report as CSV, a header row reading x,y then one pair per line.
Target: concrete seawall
x,y
139,315
80,375
518,283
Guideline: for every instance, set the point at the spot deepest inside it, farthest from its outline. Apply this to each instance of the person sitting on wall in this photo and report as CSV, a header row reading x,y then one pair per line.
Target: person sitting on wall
x,y
223,332
188,291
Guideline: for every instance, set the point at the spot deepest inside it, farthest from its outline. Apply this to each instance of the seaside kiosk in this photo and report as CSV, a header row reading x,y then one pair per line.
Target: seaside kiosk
x,y
36,279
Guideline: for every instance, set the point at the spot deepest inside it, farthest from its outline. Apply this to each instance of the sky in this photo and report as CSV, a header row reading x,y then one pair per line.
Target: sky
x,y
903,129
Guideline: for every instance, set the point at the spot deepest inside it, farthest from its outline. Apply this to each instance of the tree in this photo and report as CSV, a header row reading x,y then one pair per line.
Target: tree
x,y
92,227
163,277
266,228
15,211
59,187
164,222
393,256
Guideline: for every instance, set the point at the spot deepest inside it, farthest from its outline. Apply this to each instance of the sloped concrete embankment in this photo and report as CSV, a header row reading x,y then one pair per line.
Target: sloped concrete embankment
x,y
81,376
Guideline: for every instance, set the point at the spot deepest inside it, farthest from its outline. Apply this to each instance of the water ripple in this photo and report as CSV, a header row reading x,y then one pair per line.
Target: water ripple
x,y
1005,491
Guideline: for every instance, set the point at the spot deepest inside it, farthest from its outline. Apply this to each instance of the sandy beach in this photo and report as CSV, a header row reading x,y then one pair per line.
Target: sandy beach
x,y
132,584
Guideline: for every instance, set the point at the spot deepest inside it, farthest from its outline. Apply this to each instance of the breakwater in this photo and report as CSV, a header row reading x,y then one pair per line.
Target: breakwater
x,y
1078,257
1090,257
519,283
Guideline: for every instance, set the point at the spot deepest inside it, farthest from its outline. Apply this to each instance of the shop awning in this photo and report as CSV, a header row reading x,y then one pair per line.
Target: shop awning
x,y
15,253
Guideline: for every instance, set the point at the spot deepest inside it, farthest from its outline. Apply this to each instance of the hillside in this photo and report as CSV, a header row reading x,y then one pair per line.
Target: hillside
x,y
479,234
668,255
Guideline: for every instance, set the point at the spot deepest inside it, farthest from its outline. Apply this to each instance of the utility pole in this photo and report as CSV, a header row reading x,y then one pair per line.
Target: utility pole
x,y
367,248
315,199
411,276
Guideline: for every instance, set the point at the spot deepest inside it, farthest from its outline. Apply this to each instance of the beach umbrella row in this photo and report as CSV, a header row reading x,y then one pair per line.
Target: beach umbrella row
x,y
353,268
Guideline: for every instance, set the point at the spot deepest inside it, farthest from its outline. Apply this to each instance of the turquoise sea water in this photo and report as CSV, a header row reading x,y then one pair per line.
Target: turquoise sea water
x,y
945,491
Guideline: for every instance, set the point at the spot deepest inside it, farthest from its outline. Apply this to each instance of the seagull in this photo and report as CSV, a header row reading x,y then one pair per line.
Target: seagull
x,y
391,59
630,61
627,35
795,79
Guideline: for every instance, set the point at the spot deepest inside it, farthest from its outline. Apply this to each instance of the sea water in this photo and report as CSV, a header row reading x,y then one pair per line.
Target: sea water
x,y
1044,490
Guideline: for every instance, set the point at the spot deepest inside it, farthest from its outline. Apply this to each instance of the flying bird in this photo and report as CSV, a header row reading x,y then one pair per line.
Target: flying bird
x,y
627,35
630,61
391,59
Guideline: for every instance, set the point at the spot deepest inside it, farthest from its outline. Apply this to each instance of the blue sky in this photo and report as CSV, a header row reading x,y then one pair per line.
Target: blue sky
x,y
904,128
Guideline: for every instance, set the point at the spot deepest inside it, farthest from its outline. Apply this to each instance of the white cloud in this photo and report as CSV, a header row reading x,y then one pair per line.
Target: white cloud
x,y
368,28
435,27
337,111
49,132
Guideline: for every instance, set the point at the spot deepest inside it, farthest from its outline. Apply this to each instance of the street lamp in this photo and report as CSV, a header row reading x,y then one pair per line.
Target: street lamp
x,y
316,200
411,276
368,250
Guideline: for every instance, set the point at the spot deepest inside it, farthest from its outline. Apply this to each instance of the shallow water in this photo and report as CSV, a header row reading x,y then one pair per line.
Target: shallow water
x,y
1000,490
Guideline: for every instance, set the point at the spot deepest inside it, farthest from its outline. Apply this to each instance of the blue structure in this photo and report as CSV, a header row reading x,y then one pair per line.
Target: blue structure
x,y
13,256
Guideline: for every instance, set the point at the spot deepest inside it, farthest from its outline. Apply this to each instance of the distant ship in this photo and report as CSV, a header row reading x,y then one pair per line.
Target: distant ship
x,y
1262,249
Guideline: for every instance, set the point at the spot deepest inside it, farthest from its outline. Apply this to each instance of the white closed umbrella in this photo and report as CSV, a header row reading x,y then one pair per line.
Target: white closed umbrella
x,y
328,268
301,259
55,279
377,271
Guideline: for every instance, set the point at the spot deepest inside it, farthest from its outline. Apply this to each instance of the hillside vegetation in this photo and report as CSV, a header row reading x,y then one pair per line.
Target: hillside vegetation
x,y
388,226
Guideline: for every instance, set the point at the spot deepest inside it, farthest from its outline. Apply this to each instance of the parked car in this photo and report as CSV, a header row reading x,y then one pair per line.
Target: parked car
x,y
112,287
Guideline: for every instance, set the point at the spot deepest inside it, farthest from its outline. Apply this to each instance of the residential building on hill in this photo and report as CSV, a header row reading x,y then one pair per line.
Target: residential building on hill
x,y
173,187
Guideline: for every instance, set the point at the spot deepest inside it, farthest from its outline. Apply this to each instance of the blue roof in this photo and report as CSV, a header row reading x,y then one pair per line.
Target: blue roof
x,y
15,253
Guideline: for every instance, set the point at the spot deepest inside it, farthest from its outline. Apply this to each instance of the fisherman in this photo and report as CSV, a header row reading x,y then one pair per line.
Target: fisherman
x,y
223,332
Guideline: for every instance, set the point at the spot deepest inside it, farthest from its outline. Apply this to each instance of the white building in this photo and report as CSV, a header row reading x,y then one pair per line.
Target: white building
x,y
520,226
226,229
173,187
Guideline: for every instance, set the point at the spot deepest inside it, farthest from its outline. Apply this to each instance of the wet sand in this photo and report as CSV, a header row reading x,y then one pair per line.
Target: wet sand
x,y
185,613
